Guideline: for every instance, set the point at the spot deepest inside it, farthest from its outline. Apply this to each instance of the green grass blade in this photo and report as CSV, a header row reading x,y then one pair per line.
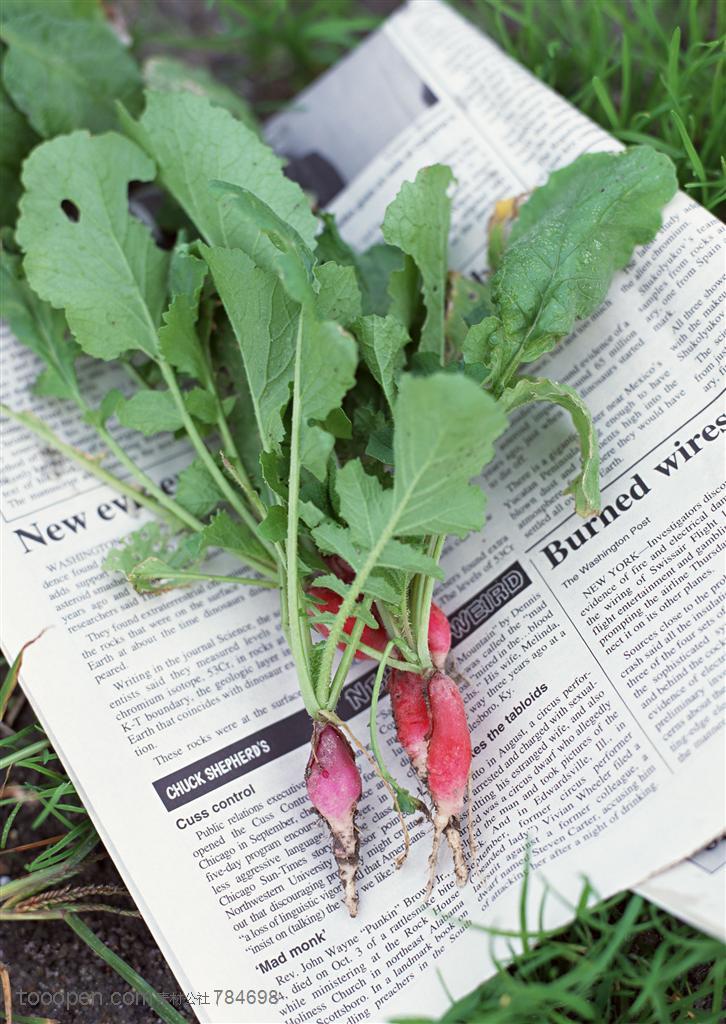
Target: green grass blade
x,y
164,1010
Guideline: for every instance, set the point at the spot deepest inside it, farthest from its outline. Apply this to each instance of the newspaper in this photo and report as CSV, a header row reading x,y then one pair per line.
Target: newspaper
x,y
593,650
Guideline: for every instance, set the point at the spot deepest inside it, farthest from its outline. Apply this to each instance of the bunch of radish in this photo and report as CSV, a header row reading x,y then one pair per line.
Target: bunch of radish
x,y
339,407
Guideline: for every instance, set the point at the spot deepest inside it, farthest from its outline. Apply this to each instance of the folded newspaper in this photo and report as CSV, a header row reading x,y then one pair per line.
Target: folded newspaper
x,y
595,656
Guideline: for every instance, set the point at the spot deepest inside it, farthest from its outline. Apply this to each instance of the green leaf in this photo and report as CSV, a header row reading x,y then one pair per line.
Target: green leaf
x,y
443,437
193,143
274,526
40,327
202,405
66,74
373,267
85,253
197,491
233,535
149,412
178,339
166,74
444,431
568,241
284,253
151,541
339,297
264,320
17,138
382,343
467,302
418,222
586,485
328,362
404,291
367,509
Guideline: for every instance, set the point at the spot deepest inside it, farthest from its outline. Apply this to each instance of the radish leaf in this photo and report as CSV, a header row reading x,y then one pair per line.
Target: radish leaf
x,y
418,221
586,485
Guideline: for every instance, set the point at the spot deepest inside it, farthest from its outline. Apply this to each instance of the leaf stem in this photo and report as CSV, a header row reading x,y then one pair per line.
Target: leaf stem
x,y
180,574
332,694
426,593
206,456
292,583
147,483
92,466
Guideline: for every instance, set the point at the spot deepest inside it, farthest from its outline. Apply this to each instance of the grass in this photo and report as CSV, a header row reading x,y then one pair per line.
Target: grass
x,y
647,70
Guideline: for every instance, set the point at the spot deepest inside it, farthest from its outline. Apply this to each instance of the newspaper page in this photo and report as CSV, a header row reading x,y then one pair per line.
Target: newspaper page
x,y
593,650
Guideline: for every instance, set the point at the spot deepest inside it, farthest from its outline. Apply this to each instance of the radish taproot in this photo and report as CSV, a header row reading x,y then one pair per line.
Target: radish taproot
x,y
334,788
412,717
448,767
439,637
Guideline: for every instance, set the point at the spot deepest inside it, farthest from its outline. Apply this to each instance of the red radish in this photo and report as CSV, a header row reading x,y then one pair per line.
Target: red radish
x,y
329,601
334,787
412,717
439,637
448,766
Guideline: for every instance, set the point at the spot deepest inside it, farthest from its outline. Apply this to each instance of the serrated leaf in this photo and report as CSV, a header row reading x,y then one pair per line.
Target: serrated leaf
x,y
197,492
193,143
84,252
418,222
233,535
178,339
43,329
149,412
274,526
586,486
339,296
568,241
273,473
368,509
264,319
66,73
202,405
373,267
444,429
327,371
443,437
166,74
147,546
382,341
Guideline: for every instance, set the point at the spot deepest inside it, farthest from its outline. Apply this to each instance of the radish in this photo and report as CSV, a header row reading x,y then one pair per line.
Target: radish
x,y
412,717
439,637
334,787
448,766
328,601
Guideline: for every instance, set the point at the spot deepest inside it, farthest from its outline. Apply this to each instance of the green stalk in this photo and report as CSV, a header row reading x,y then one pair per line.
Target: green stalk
x,y
423,612
147,483
206,456
330,696
250,581
31,422
292,583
